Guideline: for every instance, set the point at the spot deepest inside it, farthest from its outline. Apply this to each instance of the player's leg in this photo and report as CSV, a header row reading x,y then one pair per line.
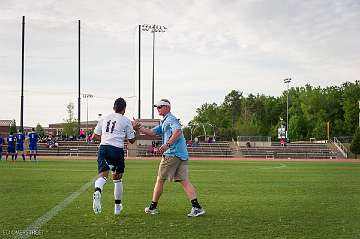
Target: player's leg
x,y
22,153
30,151
118,192
116,158
12,152
35,152
103,169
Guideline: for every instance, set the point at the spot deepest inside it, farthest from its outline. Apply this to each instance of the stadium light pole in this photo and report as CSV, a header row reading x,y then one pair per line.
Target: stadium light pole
x,y
87,96
79,98
153,28
287,81
22,76
139,96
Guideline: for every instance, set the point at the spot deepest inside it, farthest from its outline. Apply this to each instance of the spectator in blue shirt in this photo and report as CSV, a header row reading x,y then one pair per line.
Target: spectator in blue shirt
x,y
174,163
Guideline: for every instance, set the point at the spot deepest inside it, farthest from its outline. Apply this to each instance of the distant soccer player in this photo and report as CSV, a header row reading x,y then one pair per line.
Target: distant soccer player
x,y
11,146
1,144
20,138
113,129
33,140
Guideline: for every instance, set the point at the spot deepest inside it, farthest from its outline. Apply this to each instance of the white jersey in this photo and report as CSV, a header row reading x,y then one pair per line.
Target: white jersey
x,y
114,129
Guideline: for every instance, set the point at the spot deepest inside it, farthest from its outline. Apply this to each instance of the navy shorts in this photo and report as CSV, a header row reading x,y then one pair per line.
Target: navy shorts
x,y
111,158
19,147
11,150
32,147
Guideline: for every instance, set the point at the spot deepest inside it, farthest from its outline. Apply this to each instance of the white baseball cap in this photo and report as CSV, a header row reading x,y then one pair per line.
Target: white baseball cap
x,y
162,102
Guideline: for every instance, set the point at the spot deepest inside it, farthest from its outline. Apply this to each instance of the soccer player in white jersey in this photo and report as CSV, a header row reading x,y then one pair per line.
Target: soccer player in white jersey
x,y
112,130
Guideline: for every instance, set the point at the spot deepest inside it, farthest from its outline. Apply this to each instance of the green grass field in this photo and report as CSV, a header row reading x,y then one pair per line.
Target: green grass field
x,y
243,199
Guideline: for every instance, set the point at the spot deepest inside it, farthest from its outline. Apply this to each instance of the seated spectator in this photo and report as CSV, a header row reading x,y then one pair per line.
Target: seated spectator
x,y
282,142
196,141
189,143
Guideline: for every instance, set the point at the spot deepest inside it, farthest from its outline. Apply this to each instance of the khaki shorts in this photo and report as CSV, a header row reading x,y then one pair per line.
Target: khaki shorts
x,y
173,169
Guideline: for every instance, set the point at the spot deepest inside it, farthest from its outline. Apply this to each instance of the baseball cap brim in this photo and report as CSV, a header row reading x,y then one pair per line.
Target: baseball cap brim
x,y
161,103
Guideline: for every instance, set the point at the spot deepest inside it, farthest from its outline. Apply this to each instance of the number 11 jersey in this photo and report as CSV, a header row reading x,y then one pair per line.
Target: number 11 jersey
x,y
114,129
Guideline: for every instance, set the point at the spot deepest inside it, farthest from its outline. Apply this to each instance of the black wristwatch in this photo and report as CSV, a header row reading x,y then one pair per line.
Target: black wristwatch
x,y
167,144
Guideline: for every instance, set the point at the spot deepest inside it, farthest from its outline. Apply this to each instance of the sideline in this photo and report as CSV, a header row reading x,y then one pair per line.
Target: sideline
x,y
80,158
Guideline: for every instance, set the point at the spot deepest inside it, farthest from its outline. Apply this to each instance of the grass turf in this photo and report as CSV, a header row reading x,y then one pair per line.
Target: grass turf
x,y
243,199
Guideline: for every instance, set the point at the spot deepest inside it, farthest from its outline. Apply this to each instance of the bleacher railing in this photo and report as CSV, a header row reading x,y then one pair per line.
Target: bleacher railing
x,y
341,148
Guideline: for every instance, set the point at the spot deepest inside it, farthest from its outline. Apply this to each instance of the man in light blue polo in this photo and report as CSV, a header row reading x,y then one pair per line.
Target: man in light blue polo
x,y
174,163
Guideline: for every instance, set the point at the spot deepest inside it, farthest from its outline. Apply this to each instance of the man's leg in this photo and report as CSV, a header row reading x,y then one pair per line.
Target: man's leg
x,y
189,189
158,189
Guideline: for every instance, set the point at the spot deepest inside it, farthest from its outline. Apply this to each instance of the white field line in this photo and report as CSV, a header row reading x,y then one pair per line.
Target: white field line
x,y
281,166
54,169
41,221
207,170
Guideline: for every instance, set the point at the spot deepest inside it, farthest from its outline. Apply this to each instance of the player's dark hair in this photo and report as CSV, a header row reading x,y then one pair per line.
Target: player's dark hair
x,y
119,105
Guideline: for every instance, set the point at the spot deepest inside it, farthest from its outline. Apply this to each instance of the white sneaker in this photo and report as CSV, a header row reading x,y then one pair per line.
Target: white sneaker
x,y
118,208
97,202
151,212
195,212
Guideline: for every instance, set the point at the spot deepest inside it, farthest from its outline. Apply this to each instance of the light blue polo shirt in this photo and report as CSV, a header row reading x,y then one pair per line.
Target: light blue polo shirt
x,y
166,128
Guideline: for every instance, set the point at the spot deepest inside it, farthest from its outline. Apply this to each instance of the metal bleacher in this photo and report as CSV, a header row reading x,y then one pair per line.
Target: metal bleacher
x,y
68,148
82,148
291,150
216,149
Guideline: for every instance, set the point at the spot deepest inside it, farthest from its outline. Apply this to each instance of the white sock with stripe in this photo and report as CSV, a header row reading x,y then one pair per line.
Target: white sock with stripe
x,y
100,182
118,191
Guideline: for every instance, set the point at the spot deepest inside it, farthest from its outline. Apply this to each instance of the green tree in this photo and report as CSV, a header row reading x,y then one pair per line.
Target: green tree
x,y
12,128
355,144
70,126
39,130
350,106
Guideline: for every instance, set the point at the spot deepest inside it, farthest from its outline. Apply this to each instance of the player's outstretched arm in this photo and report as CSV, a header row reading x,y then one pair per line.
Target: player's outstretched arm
x,y
96,137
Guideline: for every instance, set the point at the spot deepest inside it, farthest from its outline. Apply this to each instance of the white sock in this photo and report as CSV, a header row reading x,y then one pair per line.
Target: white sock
x,y
118,189
100,182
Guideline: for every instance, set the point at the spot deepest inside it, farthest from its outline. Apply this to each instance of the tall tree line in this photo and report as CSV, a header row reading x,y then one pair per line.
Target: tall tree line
x,y
310,110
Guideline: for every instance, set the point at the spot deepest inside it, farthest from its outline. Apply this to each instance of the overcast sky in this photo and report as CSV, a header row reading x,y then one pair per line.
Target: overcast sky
x,y
210,48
